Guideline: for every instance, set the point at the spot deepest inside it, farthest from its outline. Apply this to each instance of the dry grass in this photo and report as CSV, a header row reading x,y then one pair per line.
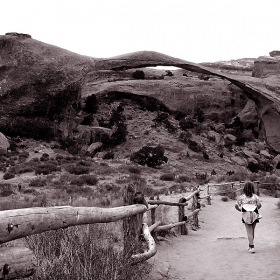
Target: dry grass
x,y
84,252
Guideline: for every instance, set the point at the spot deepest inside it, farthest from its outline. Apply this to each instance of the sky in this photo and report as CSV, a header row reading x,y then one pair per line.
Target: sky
x,y
193,30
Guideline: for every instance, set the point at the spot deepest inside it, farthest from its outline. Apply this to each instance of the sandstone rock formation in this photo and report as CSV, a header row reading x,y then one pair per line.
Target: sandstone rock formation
x,y
4,144
41,86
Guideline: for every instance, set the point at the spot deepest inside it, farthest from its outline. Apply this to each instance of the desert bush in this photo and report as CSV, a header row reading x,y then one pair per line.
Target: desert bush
x,y
134,170
152,157
194,146
47,168
44,157
90,179
139,75
78,190
109,188
183,178
91,104
30,191
186,123
84,179
179,115
8,176
23,156
24,168
38,182
77,169
109,155
6,189
167,177
77,181
224,198
185,136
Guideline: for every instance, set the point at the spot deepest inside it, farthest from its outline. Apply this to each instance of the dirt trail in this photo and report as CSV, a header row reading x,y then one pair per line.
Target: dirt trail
x,y
218,250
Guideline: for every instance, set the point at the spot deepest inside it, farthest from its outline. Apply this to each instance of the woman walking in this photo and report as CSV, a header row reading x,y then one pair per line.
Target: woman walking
x,y
248,203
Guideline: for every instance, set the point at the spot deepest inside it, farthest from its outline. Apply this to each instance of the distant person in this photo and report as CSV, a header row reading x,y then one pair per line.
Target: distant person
x,y
249,203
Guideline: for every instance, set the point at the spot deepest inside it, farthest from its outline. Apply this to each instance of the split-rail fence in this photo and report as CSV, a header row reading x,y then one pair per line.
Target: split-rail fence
x,y
20,262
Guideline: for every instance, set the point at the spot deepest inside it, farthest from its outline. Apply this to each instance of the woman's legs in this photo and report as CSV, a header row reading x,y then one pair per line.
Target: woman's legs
x,y
250,233
254,226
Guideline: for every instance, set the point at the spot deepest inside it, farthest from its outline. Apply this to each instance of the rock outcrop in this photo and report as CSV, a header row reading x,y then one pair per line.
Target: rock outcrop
x,y
4,144
41,86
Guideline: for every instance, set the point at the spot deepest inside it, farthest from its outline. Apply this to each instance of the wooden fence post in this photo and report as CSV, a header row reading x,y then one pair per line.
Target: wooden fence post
x,y
181,216
195,205
132,226
208,197
258,188
153,213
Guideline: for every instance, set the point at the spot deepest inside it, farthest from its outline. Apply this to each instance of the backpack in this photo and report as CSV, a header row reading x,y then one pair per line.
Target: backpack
x,y
249,216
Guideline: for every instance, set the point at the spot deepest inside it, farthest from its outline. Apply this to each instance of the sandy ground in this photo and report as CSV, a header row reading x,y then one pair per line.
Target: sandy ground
x,y
218,250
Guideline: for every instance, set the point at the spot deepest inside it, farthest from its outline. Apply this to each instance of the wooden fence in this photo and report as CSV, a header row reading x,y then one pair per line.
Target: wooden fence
x,y
20,262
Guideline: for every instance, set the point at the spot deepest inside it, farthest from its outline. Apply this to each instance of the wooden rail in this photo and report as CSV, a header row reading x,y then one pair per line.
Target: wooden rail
x,y
20,262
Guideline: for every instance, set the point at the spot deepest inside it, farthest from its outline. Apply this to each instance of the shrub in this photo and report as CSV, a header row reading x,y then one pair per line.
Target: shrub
x,y
109,155
77,169
134,170
23,156
167,177
183,178
224,198
47,168
186,124
38,182
77,181
19,169
194,146
8,176
184,136
30,191
152,157
139,75
6,189
91,104
45,157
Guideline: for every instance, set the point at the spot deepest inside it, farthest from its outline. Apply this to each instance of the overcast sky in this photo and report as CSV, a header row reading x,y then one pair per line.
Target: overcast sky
x,y
194,30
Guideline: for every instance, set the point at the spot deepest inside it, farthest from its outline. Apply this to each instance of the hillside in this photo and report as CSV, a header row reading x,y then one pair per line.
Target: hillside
x,y
59,109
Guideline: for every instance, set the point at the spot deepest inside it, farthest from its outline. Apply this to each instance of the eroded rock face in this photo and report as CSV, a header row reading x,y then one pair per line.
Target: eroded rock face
x,y
266,66
4,144
41,85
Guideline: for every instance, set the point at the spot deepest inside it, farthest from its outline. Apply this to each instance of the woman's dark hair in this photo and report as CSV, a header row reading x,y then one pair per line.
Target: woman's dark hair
x,y
248,189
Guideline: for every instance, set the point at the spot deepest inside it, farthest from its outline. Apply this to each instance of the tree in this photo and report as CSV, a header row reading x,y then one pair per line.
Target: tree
x,y
152,157
139,75
91,104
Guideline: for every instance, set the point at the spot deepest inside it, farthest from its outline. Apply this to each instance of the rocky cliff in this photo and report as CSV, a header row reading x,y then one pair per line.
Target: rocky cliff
x,y
42,87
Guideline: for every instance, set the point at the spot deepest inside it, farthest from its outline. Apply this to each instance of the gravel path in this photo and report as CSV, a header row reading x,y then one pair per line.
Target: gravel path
x,y
218,250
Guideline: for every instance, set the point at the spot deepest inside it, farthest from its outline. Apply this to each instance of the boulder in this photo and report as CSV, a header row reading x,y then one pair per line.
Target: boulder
x,y
239,161
230,137
249,114
266,154
4,144
252,160
265,66
252,146
94,148
250,154
274,53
